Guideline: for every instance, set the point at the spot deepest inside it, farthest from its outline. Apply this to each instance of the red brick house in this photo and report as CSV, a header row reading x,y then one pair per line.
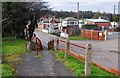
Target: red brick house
x,y
45,23
99,22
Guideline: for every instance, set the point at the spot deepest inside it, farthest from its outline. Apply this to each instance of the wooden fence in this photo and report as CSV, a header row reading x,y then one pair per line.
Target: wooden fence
x,y
88,54
87,59
94,34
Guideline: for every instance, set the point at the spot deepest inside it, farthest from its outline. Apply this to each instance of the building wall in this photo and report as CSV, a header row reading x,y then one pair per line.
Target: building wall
x,y
64,23
100,24
89,23
40,26
69,23
105,24
93,34
73,30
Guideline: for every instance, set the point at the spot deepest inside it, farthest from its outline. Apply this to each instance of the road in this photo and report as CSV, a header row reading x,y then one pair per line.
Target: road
x,y
104,52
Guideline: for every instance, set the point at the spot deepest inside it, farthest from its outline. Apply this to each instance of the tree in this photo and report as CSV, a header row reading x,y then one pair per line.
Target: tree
x,y
111,17
116,18
97,15
18,13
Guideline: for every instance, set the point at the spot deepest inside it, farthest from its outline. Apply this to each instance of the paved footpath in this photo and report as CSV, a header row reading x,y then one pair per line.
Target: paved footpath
x,y
46,65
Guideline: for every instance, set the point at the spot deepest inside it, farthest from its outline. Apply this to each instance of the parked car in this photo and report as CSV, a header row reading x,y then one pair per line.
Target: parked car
x,y
45,30
55,30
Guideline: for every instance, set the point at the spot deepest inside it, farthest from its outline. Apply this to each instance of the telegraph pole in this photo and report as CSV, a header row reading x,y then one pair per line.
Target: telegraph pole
x,y
114,17
78,10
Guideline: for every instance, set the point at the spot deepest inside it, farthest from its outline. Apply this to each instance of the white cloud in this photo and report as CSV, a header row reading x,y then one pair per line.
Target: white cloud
x,y
101,5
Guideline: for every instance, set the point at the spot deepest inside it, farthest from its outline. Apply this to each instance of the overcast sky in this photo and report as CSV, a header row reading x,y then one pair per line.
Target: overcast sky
x,y
85,5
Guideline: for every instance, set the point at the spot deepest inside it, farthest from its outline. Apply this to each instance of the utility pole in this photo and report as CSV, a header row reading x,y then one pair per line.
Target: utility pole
x,y
114,17
78,10
119,7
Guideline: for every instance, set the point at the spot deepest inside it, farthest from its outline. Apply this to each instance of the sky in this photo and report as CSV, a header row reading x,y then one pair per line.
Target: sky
x,y
84,5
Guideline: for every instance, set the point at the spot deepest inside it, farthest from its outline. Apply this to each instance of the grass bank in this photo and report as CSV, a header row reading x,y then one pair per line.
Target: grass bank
x,y
77,38
13,46
12,49
77,67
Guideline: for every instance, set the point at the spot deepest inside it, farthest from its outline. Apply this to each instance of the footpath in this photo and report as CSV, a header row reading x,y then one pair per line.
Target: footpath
x,y
45,65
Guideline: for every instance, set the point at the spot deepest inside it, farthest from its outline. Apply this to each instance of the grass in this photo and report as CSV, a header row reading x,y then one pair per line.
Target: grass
x,y
77,67
13,46
7,70
12,49
77,38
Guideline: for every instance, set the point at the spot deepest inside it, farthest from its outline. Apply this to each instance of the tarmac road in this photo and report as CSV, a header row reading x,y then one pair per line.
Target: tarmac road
x,y
104,52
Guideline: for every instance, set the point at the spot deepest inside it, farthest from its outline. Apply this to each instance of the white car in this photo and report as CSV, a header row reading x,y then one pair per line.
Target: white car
x,y
64,35
45,30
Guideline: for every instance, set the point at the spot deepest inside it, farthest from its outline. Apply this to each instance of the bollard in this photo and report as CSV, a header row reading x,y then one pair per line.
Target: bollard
x,y
28,46
88,59
67,47
51,45
57,43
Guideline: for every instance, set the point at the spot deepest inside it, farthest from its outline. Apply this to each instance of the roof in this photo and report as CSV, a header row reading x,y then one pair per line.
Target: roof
x,y
45,20
112,23
57,20
50,19
97,20
70,19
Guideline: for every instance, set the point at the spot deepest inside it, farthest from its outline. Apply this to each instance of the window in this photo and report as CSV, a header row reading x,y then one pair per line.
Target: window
x,y
71,23
75,23
68,23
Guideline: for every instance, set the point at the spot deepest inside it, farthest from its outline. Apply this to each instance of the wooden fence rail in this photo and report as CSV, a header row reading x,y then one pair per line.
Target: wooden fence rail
x,y
88,57
78,45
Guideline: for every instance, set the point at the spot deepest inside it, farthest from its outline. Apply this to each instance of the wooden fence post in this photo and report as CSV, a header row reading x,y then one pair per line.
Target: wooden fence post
x,y
91,34
88,59
57,43
26,46
105,35
81,33
67,46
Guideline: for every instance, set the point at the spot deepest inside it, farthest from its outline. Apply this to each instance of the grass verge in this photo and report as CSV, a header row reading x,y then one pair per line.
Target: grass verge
x,y
77,67
12,49
7,70
77,38
13,46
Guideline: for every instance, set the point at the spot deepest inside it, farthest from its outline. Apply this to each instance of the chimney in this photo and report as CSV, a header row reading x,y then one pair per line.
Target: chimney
x,y
44,17
100,17
53,17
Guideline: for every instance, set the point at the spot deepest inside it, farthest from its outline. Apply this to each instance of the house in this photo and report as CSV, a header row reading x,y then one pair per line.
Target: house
x,y
114,25
43,23
81,22
100,22
70,26
47,24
